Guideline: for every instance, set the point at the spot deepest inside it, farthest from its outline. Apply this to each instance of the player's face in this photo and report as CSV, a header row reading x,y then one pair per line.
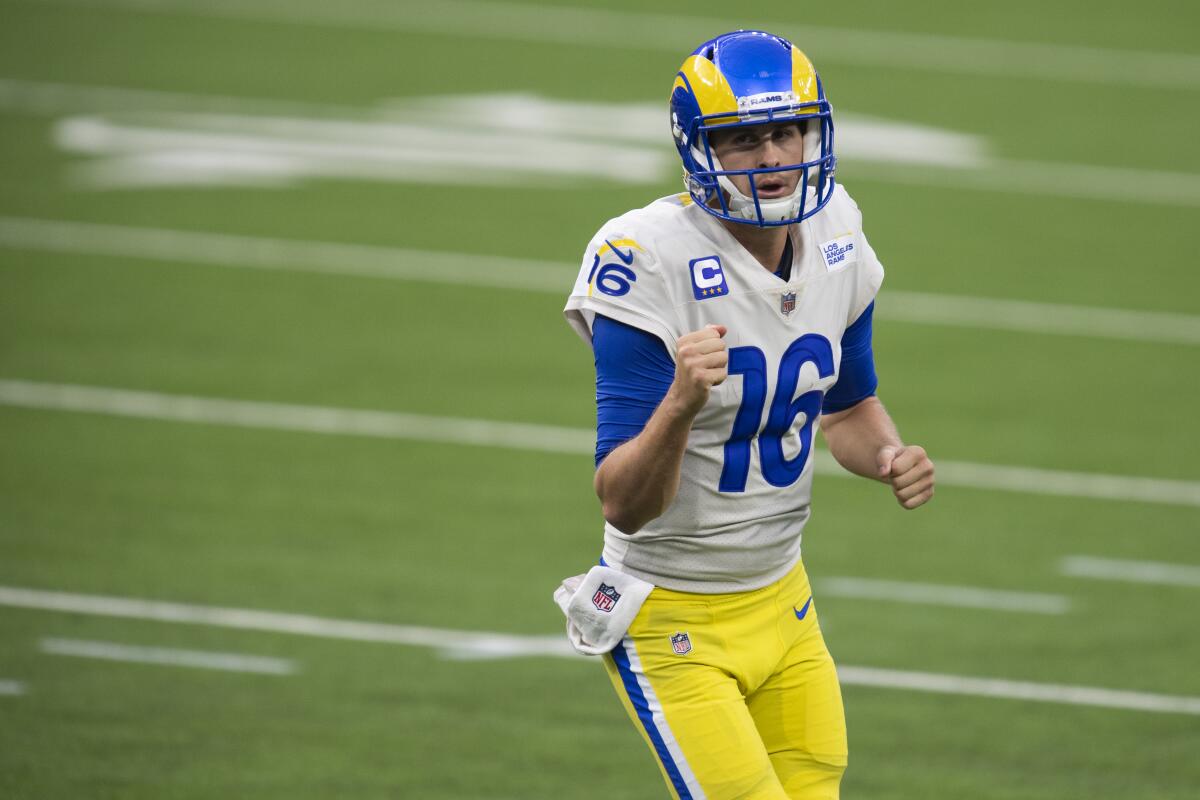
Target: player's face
x,y
774,144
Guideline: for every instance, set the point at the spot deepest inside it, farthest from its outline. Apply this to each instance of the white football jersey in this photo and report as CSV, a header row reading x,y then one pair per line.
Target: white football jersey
x,y
746,479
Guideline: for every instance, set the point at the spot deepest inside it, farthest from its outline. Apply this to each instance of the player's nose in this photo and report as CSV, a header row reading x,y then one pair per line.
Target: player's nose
x,y
771,155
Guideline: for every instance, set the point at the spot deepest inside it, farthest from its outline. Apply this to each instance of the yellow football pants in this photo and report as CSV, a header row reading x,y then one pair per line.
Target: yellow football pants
x,y
735,694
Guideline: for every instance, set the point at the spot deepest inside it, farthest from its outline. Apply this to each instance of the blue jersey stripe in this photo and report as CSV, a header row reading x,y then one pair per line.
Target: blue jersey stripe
x,y
856,375
633,373
642,706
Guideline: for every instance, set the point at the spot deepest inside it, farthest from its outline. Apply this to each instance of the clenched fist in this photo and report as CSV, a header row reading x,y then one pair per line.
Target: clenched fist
x,y
701,362
909,471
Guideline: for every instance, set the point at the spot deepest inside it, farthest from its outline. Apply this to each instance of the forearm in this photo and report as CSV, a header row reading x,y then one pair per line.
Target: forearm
x,y
638,480
855,436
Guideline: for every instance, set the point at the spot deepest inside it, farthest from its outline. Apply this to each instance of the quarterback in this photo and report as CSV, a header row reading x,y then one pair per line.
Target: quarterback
x,y
728,323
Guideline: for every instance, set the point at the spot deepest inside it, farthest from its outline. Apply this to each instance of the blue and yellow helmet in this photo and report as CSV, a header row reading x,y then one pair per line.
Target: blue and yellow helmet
x,y
749,78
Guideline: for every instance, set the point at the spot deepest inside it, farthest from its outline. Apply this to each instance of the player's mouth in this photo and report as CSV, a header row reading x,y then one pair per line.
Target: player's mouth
x,y
772,187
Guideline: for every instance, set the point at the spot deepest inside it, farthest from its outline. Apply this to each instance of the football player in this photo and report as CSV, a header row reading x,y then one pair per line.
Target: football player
x,y
727,323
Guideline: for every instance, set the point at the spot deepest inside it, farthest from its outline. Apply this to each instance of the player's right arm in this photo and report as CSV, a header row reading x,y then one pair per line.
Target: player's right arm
x,y
638,480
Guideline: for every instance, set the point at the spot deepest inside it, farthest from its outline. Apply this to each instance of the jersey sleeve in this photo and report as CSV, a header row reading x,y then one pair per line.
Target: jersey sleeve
x,y
867,281
868,272
633,374
621,279
856,372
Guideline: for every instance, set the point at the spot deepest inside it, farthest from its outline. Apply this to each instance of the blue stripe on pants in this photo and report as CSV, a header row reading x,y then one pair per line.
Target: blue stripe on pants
x,y
642,706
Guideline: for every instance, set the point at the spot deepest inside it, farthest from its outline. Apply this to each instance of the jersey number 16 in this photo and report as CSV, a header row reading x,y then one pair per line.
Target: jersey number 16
x,y
751,364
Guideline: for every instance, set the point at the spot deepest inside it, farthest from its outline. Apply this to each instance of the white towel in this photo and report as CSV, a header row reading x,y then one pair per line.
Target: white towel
x,y
600,607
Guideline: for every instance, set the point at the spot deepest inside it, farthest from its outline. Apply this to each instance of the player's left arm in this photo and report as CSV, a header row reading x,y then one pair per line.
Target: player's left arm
x,y
864,440
858,429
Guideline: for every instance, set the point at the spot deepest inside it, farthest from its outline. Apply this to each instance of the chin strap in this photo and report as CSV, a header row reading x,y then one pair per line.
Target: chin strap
x,y
774,210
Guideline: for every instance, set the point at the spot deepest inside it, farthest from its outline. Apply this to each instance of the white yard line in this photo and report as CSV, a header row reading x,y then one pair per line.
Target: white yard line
x,y
942,595
1055,179
169,656
962,311
477,645
1117,569
291,255
307,419
678,33
333,258
497,645
527,436
1018,690
11,688
1061,483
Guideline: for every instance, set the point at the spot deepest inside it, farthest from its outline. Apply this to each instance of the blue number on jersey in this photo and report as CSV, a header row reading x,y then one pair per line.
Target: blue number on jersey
x,y
751,364
614,279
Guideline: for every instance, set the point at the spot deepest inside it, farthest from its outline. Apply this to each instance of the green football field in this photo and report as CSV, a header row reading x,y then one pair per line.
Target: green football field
x,y
295,443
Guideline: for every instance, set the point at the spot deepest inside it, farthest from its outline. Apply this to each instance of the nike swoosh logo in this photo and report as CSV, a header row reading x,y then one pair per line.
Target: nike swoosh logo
x,y
802,612
626,257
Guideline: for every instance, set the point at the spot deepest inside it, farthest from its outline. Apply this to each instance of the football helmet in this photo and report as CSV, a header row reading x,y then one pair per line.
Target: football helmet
x,y
741,79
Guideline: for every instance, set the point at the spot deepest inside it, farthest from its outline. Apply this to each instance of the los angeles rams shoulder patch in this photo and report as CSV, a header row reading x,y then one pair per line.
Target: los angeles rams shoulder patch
x,y
839,252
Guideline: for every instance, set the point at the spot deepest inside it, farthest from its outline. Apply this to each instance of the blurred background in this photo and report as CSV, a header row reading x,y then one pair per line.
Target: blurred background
x,y
295,444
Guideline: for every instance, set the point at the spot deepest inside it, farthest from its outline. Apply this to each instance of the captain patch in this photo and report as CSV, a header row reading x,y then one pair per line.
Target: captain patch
x,y
708,279
839,252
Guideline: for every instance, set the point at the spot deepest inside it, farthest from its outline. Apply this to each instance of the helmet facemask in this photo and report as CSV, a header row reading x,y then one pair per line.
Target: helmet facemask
x,y
711,185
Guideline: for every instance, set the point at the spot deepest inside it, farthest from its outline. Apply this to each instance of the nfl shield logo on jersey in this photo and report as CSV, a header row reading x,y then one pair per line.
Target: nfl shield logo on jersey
x,y
681,644
606,598
787,303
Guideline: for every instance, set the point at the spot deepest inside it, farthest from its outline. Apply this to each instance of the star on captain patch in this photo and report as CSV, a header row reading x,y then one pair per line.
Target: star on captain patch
x,y
787,303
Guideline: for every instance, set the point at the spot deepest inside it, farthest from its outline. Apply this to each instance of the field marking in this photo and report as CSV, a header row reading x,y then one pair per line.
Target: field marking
x,y
532,437
484,644
1019,690
475,644
169,656
465,269
942,595
1026,176
518,139
1025,316
611,29
1063,483
1118,569
181,139
289,255
123,119
170,149
289,417
11,688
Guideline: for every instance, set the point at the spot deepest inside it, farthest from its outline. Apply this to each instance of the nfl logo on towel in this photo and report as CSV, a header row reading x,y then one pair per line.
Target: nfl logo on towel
x,y
606,598
681,644
787,303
